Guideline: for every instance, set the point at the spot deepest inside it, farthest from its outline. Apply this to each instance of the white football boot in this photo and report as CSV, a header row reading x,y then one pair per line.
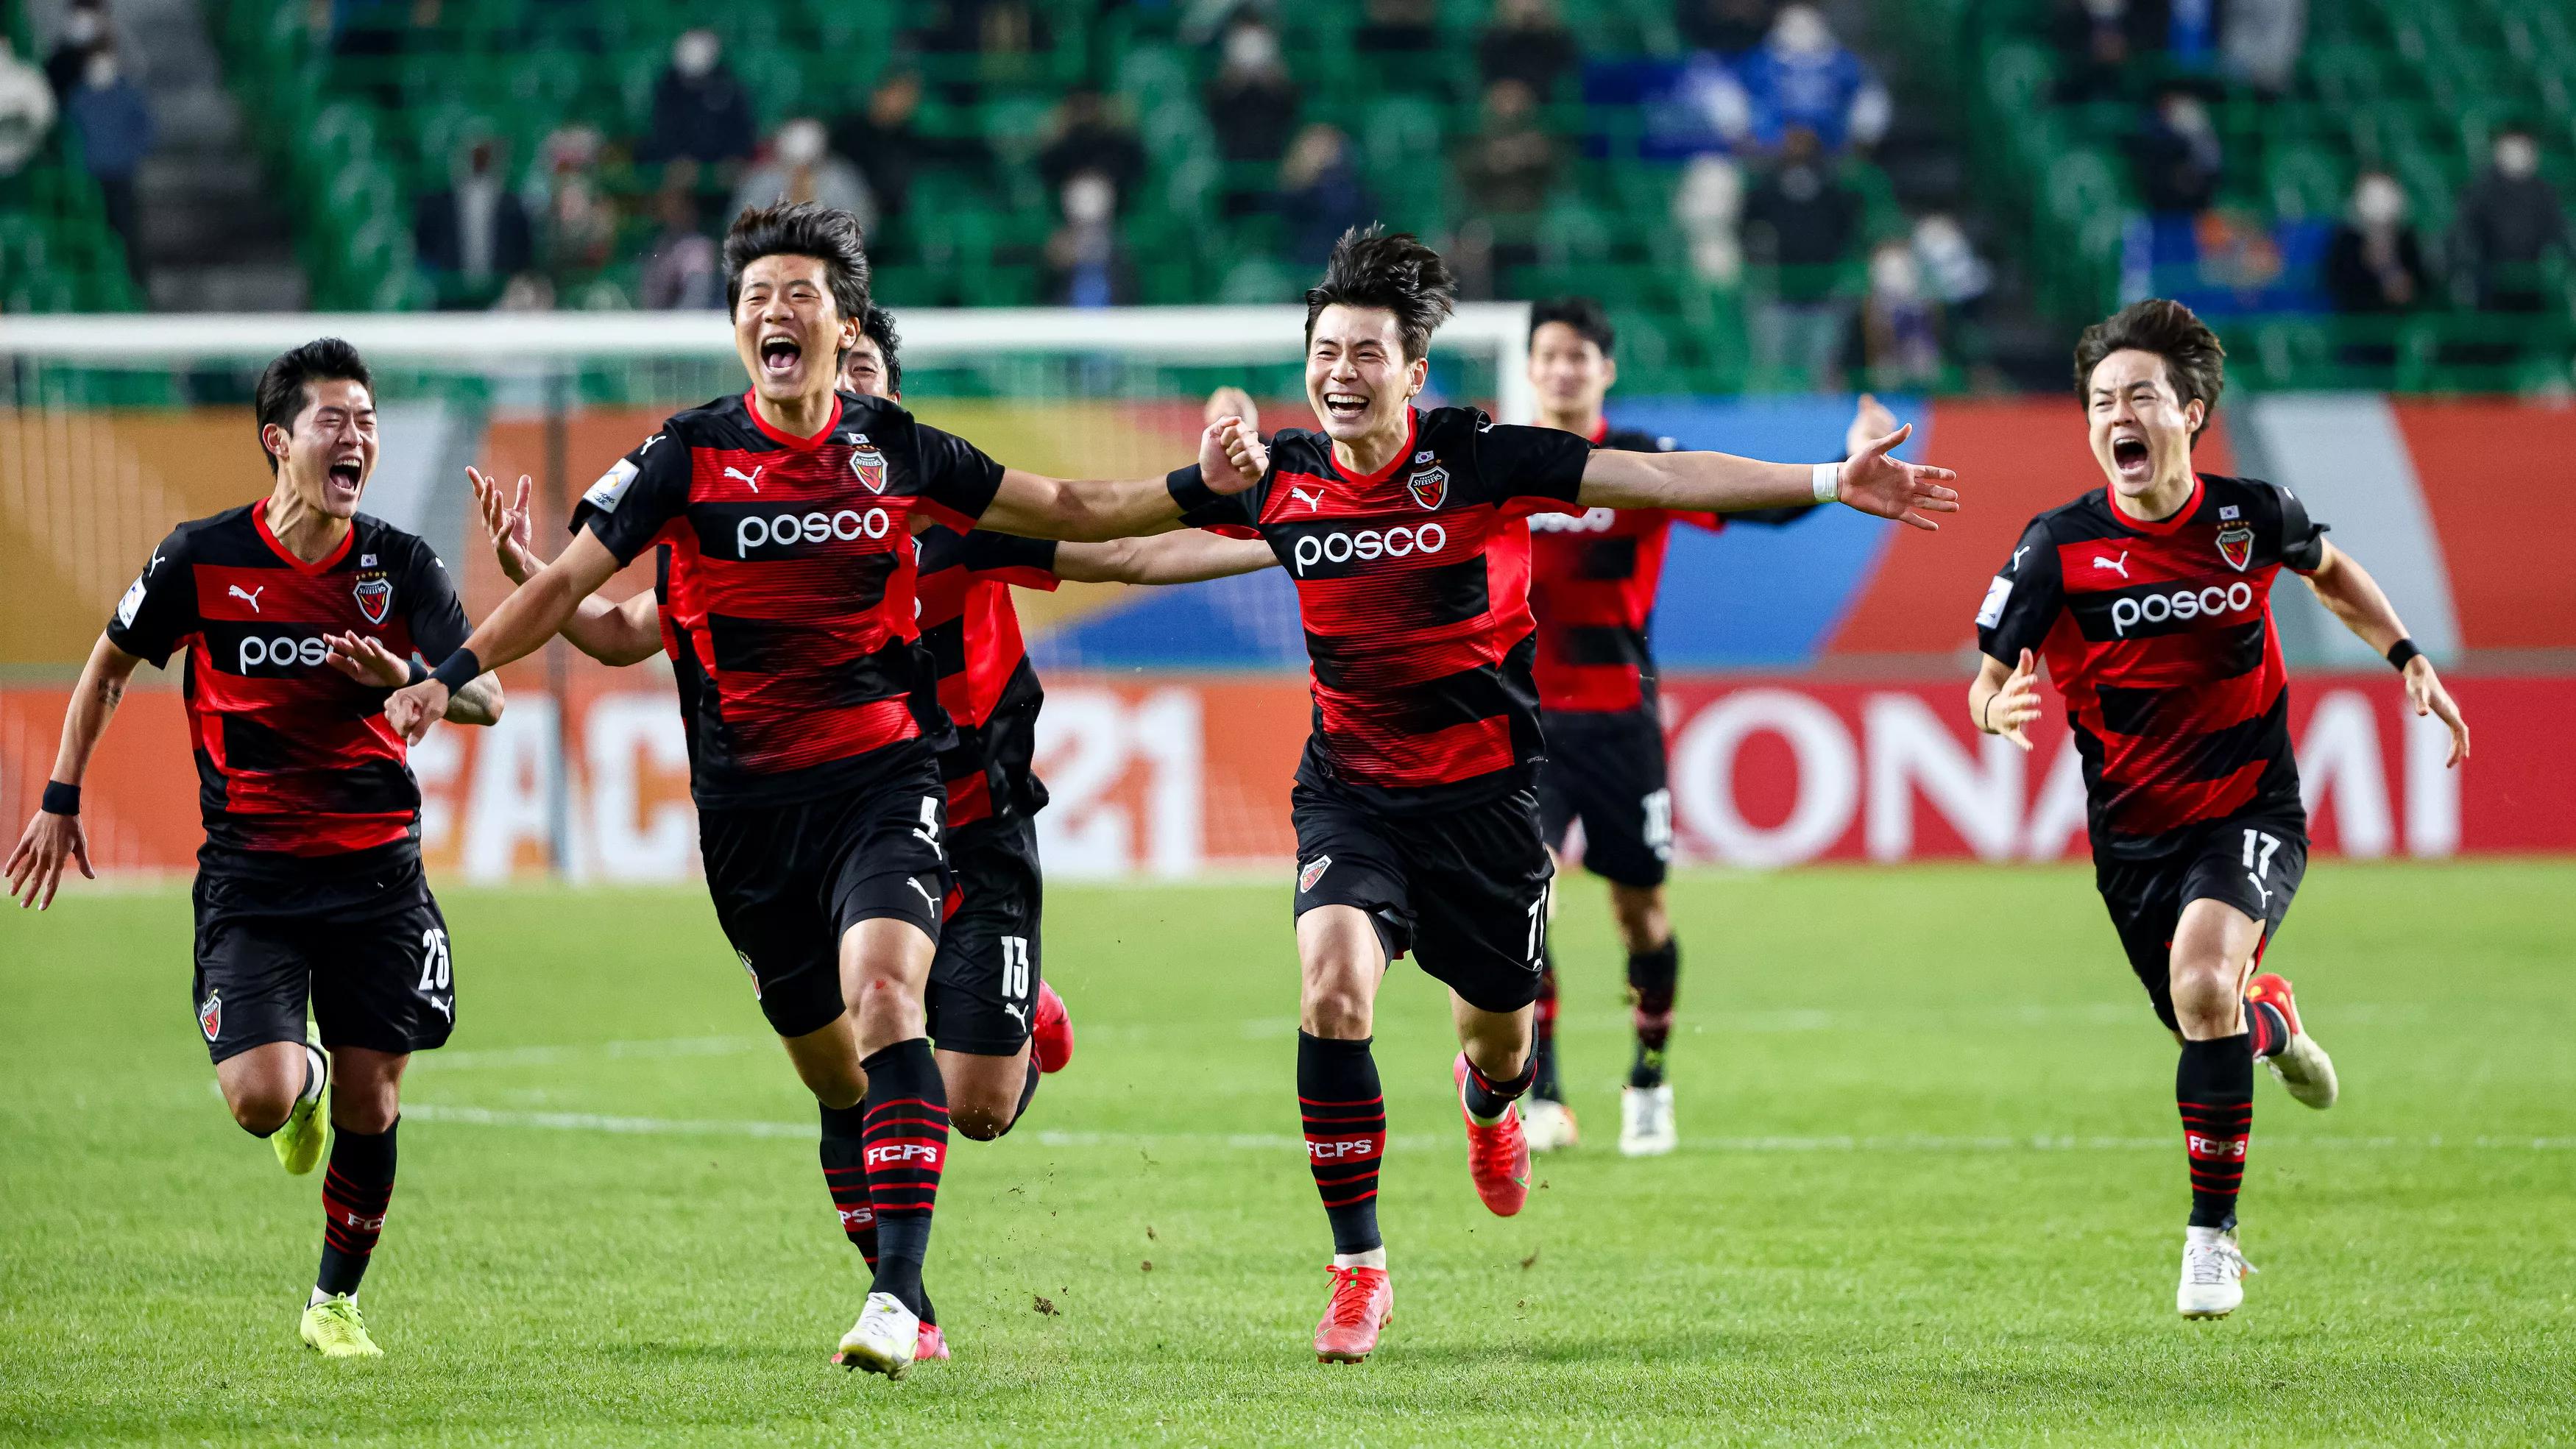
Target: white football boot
x,y
883,1340
1646,1121
1549,1126
2302,1066
2213,1274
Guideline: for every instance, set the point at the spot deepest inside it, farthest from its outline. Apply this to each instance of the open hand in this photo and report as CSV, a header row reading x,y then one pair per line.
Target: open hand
x,y
35,868
2017,703
1231,457
412,710
1870,419
507,522
2424,691
1875,482
364,658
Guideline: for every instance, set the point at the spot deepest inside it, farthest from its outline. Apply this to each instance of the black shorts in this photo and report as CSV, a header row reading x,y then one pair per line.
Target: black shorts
x,y
984,981
1608,771
2252,863
373,961
790,880
1464,890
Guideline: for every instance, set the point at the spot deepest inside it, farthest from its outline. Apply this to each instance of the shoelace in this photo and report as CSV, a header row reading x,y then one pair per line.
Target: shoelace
x,y
1350,1303
2212,1263
1489,1150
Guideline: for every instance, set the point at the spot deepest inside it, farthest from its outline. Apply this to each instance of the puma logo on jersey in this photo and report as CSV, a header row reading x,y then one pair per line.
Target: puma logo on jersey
x,y
2118,565
1019,1014
446,1008
2017,553
249,596
2260,889
1314,501
750,479
927,898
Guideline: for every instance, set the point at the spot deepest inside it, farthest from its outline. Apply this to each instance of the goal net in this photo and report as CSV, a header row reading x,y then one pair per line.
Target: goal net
x,y
1168,712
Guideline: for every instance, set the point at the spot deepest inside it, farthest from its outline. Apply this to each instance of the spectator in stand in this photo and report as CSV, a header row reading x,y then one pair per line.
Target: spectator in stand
x,y
2178,156
1801,76
115,126
683,271
2375,266
701,111
1086,134
884,140
2096,39
472,236
1397,27
2510,220
26,109
579,228
1506,171
1953,274
1709,208
1899,331
1252,107
1320,194
1529,44
801,167
1801,218
84,26
374,34
1723,28
2259,43
1084,265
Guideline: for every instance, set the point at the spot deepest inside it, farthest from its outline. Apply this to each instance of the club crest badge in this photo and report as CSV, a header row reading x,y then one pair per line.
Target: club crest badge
x,y
375,596
1313,872
870,465
1430,486
210,1016
2236,545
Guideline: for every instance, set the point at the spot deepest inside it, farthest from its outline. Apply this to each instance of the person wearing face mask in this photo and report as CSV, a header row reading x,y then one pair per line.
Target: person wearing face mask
x,y
115,126
2374,265
84,26
2177,155
1252,104
801,167
1085,134
701,112
1084,266
2510,219
1802,76
473,235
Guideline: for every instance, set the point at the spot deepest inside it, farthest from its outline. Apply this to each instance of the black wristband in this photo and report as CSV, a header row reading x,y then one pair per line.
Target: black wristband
x,y
2401,652
419,672
61,799
1188,487
459,670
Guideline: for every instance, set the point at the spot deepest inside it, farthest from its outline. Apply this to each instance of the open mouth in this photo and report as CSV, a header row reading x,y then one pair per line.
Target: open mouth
x,y
345,477
2129,454
779,355
1347,407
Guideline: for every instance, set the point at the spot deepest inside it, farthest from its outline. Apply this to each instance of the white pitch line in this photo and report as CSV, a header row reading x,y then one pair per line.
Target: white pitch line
x,y
1282,1142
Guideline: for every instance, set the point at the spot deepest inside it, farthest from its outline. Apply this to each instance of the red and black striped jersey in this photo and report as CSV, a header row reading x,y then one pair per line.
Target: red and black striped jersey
x,y
294,759
2160,637
1593,577
791,582
1413,585
986,682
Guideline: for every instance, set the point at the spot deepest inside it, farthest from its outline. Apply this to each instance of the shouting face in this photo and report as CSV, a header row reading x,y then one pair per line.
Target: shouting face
x,y
327,454
787,329
2141,428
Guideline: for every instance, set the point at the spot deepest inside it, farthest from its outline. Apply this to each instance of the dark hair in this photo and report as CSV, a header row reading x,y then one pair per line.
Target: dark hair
x,y
801,229
877,325
285,384
2193,356
1583,314
1396,273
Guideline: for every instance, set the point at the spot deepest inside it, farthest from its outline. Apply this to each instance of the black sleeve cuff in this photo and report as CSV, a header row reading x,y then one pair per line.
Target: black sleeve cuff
x,y
1189,489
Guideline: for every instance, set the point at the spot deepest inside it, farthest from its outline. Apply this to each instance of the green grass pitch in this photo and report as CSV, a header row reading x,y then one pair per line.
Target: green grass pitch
x,y
1930,1191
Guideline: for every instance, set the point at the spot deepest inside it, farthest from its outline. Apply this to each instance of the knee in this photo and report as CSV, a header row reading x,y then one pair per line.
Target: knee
x,y
260,1110
2204,992
981,1123
1336,1008
370,1113
1643,925
838,1090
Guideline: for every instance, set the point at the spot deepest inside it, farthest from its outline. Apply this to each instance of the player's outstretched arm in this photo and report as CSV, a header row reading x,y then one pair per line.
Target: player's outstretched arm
x,y
35,867
2352,595
364,658
1170,558
613,634
2005,697
1231,459
525,620
1870,480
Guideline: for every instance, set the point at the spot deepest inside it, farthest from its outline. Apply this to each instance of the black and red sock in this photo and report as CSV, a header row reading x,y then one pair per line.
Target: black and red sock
x,y
1543,1030
357,1186
2214,1086
2268,1027
1653,977
1487,1100
1345,1120
904,1144
845,1175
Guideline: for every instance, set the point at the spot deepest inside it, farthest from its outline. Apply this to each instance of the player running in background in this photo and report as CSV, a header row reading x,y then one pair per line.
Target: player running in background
x,y
2150,600
1417,829
299,615
1593,577
790,511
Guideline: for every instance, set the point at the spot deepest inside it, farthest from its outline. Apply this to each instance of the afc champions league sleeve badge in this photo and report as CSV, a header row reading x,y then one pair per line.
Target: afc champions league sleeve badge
x,y
375,591
2236,545
1429,486
868,462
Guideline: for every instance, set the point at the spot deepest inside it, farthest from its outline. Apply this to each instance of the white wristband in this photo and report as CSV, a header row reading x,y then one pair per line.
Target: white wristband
x,y
1828,482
